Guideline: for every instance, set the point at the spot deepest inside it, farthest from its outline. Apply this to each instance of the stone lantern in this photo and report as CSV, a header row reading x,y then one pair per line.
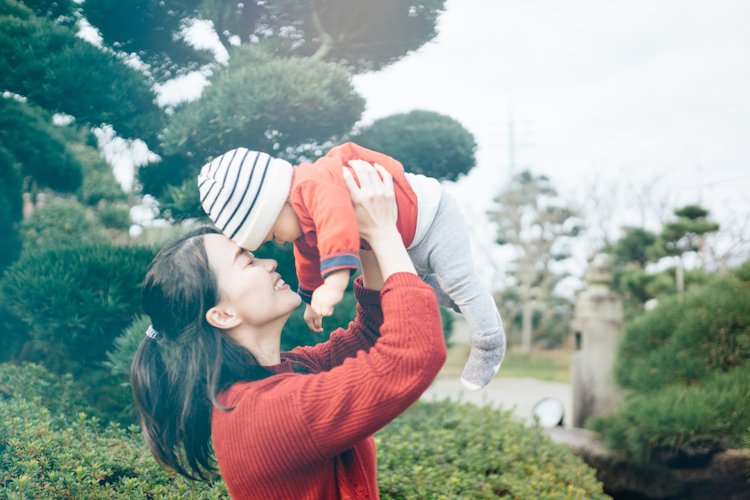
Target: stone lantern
x,y
596,327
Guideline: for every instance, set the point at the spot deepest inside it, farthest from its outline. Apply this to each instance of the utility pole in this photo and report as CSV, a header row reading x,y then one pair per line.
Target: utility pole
x,y
511,143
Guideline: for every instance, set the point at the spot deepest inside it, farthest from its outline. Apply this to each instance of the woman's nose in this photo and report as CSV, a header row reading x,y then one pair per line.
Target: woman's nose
x,y
270,264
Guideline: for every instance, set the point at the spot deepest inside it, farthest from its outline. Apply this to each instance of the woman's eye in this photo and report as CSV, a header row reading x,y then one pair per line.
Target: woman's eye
x,y
250,259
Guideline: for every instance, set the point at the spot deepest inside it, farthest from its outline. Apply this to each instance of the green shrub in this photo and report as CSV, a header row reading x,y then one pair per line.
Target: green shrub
x,y
425,142
115,216
26,130
58,452
687,363
687,337
11,205
681,420
99,182
74,301
449,450
61,221
49,448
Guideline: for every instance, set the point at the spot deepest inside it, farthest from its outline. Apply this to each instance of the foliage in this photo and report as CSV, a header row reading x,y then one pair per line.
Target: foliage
x,y
538,225
686,338
74,300
50,448
687,363
99,182
115,216
56,451
684,234
62,221
10,208
34,382
425,142
120,359
267,106
449,450
361,35
27,132
47,63
634,246
368,35
681,421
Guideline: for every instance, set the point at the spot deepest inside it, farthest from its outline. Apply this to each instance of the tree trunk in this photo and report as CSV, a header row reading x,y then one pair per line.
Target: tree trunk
x,y
679,276
326,40
527,318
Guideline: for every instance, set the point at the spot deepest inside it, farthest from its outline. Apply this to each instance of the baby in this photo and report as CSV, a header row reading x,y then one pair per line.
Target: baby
x,y
254,198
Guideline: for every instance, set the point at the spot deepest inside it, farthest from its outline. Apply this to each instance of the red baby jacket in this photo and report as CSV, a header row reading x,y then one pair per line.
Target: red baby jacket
x,y
319,196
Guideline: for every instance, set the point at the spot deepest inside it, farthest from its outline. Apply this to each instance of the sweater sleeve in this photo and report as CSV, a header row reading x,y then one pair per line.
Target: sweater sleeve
x,y
291,420
362,333
330,207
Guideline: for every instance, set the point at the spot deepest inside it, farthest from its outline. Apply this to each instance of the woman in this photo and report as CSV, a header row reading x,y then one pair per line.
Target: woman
x,y
295,424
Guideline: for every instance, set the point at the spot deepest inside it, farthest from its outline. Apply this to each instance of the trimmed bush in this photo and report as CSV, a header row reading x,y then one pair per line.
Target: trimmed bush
x,y
59,452
61,222
11,205
449,450
433,451
687,363
688,337
74,301
425,142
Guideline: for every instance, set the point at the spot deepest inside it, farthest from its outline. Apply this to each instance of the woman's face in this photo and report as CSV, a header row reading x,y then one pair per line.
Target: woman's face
x,y
249,286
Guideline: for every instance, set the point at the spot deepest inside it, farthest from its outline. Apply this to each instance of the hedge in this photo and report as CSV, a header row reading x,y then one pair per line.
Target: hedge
x,y
687,366
73,300
49,448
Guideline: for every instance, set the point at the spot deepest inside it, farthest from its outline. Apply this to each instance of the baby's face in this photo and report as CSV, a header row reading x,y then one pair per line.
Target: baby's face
x,y
286,228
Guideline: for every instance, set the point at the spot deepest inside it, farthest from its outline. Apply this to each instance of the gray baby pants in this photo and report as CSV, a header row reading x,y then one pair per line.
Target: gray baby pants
x,y
443,260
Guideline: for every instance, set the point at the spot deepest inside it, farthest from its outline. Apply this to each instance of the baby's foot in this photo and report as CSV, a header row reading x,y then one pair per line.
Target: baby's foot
x,y
485,358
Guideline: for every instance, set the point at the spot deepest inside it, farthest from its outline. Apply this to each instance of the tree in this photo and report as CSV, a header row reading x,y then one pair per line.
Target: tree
x,y
425,142
359,34
268,104
532,219
27,132
686,234
53,68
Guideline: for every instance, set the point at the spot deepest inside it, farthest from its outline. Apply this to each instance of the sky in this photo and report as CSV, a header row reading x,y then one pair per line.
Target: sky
x,y
642,106
628,96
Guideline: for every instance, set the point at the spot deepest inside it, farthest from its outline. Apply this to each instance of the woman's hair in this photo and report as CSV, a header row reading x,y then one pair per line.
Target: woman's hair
x,y
176,378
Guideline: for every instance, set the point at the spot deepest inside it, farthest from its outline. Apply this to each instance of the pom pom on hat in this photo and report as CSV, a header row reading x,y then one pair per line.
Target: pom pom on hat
x,y
243,192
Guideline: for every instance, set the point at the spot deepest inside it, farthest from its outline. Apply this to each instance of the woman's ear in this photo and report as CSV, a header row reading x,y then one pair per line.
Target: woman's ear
x,y
219,316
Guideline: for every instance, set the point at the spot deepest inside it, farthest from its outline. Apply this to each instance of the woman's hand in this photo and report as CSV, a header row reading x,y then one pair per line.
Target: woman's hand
x,y
375,207
374,199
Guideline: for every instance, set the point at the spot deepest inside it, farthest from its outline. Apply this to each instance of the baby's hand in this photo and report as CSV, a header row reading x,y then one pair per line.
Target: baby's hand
x,y
314,321
325,297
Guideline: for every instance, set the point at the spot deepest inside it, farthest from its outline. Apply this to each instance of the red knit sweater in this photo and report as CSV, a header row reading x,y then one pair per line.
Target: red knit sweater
x,y
309,436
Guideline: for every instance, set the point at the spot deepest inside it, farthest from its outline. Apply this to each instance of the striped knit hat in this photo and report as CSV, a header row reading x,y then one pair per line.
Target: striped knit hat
x,y
243,192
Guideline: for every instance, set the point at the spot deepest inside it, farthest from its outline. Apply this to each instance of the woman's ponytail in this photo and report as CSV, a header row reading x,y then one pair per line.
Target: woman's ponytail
x,y
149,383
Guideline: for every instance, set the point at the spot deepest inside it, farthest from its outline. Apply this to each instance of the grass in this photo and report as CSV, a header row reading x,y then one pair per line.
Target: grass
x,y
551,364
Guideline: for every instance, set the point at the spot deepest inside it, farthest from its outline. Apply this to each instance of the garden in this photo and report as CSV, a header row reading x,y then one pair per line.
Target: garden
x,y
83,92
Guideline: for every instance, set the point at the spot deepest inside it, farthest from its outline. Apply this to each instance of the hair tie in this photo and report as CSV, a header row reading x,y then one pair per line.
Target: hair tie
x,y
151,333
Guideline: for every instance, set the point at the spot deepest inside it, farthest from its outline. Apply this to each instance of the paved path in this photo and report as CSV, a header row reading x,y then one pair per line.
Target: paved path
x,y
506,392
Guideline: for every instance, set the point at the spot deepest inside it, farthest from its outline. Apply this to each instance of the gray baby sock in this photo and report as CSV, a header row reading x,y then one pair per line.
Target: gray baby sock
x,y
485,357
